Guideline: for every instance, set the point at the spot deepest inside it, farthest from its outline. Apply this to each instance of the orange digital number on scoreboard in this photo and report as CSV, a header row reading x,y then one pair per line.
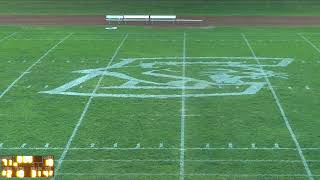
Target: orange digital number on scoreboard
x,y
27,166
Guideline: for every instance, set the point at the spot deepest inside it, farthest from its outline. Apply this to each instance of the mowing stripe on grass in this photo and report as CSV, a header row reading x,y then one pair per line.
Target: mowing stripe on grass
x,y
183,113
283,114
30,67
308,41
84,112
7,37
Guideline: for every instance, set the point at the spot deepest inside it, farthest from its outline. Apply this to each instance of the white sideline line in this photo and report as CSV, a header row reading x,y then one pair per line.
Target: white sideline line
x,y
283,114
188,160
194,174
251,175
30,67
84,112
7,37
183,113
116,174
308,41
212,57
151,148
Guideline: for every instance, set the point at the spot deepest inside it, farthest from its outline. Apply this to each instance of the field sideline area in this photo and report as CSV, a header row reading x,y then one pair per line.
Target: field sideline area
x,y
140,103
178,7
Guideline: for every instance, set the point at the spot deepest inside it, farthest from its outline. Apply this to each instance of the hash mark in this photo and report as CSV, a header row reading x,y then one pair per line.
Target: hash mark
x,y
230,145
276,145
207,145
23,145
92,145
138,146
253,145
115,145
46,145
161,145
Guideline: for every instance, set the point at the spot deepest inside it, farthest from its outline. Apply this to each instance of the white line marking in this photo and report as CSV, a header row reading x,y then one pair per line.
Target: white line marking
x,y
23,145
65,151
30,67
115,174
308,41
46,145
157,148
194,174
182,123
283,114
190,160
7,37
209,57
1,145
251,175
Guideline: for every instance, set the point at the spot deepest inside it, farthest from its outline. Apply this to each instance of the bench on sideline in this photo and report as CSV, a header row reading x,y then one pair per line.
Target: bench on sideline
x,y
141,18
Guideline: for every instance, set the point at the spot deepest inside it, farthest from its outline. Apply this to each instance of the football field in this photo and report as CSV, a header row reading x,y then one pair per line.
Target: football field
x,y
220,103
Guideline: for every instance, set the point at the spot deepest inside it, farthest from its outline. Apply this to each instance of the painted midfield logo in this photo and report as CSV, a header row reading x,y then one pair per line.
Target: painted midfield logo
x,y
162,77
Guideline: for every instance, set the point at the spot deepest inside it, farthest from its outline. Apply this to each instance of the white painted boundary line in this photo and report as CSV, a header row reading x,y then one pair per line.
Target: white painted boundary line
x,y
283,114
7,37
30,67
162,149
183,113
199,174
84,112
189,160
116,174
308,41
209,57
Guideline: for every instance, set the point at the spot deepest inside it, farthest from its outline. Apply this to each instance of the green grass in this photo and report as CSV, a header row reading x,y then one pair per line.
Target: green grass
x,y
27,116
179,7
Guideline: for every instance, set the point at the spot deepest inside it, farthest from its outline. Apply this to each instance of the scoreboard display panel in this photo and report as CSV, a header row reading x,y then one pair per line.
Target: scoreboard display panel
x,y
27,166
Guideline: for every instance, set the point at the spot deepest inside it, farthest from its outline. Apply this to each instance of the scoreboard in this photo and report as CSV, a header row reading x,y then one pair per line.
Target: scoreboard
x,y
27,166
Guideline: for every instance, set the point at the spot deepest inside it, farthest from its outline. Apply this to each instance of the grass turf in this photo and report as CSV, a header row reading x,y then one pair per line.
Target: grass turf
x,y
27,116
189,7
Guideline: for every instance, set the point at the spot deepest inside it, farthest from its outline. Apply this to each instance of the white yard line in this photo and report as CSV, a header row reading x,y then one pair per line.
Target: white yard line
x,y
7,37
283,114
84,112
30,67
308,41
183,113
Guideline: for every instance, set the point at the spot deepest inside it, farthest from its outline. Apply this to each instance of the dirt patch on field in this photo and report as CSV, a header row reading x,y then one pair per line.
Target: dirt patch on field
x,y
207,21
